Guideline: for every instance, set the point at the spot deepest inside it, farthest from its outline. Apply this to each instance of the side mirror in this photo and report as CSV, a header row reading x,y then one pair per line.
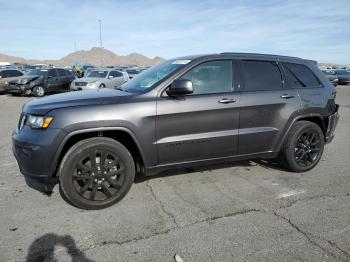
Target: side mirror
x,y
180,87
110,77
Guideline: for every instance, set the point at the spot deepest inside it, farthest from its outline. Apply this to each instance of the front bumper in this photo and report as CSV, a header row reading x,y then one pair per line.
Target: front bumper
x,y
332,124
35,152
17,89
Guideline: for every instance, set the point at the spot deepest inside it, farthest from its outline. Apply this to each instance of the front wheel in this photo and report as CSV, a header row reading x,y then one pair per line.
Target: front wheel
x,y
96,173
102,86
38,91
303,147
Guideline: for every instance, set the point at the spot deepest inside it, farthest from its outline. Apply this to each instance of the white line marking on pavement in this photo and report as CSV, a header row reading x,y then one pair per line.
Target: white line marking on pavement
x,y
291,193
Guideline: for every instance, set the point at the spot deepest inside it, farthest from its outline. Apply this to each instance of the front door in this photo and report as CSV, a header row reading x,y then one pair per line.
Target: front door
x,y
52,82
202,125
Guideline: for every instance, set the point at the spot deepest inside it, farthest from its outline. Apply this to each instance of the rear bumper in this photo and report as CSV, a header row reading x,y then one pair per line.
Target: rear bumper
x,y
332,124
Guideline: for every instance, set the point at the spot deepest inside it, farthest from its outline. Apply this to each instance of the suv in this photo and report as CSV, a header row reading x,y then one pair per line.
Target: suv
x,y
188,111
7,75
41,81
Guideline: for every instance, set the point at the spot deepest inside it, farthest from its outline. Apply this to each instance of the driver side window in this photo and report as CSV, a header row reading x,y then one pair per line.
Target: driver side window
x,y
211,77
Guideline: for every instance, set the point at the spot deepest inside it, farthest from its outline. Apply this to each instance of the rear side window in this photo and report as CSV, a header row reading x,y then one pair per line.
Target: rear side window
x,y
261,76
300,76
211,77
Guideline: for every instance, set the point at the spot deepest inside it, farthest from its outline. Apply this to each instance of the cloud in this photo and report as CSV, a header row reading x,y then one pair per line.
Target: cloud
x,y
48,29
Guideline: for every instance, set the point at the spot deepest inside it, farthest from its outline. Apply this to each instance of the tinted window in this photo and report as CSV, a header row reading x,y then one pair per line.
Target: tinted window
x,y
342,72
116,74
300,75
52,73
5,74
211,77
261,76
61,72
16,73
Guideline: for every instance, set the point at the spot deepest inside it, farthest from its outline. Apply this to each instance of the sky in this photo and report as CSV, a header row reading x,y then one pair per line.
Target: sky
x,y
50,29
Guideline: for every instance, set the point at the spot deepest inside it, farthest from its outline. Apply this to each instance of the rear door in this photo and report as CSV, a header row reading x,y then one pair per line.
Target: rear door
x,y
202,125
266,106
300,77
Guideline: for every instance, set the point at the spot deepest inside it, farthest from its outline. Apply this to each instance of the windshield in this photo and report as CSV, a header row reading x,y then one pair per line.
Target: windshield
x,y
97,74
36,72
152,76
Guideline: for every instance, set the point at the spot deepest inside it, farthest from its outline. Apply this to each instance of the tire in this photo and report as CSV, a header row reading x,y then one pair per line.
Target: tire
x,y
102,86
303,147
38,91
86,186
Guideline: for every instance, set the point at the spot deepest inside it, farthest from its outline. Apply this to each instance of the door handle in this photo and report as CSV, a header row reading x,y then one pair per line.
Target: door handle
x,y
227,100
287,96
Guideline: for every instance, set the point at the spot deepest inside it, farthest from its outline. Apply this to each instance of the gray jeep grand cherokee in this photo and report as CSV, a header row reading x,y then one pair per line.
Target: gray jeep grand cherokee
x,y
187,111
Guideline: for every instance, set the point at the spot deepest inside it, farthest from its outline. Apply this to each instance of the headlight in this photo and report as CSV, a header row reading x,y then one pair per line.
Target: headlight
x,y
6,83
31,84
39,121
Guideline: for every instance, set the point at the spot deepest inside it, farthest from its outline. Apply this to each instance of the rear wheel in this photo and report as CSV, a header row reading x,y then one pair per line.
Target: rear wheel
x,y
39,91
102,85
303,146
96,173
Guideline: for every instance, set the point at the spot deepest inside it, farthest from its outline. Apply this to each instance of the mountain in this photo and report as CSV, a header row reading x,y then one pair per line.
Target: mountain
x,y
92,56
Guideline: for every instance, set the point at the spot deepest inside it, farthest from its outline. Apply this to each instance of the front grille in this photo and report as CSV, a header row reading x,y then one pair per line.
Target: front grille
x,y
80,83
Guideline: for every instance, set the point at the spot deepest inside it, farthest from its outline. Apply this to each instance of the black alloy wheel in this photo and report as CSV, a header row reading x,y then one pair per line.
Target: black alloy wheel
x,y
307,148
303,147
96,173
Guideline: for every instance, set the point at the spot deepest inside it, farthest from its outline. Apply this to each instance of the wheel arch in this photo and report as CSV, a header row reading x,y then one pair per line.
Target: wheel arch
x,y
318,119
122,135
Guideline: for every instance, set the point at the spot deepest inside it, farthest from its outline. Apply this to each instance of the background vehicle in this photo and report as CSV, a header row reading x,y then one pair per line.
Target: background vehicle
x,y
7,75
100,78
343,76
332,76
42,81
132,72
189,111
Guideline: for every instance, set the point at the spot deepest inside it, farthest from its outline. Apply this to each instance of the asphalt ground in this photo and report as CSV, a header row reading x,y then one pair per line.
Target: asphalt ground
x,y
243,211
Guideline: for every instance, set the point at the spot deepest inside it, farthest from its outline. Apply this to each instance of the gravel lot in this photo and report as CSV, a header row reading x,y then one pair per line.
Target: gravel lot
x,y
245,211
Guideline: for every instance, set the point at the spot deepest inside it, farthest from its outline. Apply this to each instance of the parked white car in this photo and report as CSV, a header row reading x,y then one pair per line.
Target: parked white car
x,y
100,78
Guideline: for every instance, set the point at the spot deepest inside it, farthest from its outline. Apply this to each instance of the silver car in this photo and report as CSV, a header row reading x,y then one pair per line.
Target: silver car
x,y
100,78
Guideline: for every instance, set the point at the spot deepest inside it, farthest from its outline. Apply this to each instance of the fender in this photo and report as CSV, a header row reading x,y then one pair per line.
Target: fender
x,y
89,130
296,118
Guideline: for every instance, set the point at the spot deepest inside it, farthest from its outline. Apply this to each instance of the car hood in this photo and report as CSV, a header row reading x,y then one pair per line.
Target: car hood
x,y
88,79
24,79
42,106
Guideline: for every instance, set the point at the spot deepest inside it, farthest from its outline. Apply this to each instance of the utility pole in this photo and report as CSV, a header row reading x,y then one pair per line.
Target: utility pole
x,y
100,22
